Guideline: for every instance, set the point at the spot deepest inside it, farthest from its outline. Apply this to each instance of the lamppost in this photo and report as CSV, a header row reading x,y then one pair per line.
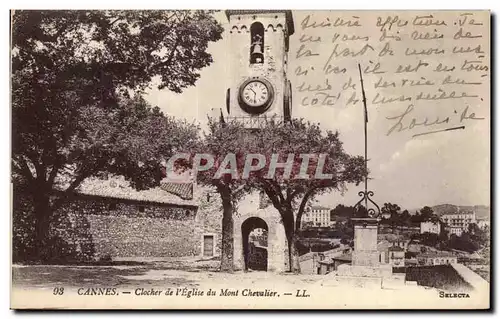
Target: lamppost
x,y
373,212
366,228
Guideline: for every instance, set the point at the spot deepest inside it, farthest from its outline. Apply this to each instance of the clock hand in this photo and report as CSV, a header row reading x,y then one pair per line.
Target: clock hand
x,y
254,96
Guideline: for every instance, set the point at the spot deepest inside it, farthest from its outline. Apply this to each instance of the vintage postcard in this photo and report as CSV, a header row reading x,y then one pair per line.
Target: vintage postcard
x,y
250,159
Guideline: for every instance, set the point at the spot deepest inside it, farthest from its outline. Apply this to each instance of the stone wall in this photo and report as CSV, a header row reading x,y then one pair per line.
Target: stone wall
x,y
131,229
441,277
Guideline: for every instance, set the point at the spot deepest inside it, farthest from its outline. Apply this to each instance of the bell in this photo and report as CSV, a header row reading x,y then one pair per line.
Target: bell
x,y
257,49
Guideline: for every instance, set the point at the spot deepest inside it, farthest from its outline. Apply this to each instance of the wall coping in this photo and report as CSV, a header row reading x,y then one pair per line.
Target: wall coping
x,y
473,279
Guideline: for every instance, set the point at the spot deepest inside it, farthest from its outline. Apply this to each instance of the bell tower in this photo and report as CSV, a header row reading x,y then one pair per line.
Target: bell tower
x,y
258,87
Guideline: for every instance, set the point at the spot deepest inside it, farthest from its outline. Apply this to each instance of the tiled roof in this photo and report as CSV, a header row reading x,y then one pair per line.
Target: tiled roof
x,y
121,189
183,190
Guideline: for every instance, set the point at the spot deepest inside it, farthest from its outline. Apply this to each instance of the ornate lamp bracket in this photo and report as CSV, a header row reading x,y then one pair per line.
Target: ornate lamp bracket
x,y
373,212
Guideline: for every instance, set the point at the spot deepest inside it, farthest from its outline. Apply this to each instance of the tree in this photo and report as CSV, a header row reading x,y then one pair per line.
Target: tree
x,y
222,139
416,219
478,235
405,218
361,212
393,210
73,73
341,212
427,214
464,242
429,239
290,194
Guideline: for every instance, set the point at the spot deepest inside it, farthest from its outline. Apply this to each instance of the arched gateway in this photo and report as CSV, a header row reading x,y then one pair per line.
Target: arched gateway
x,y
254,233
259,237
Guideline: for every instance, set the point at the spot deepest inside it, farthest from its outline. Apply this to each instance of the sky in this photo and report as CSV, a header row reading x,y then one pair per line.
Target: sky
x,y
447,167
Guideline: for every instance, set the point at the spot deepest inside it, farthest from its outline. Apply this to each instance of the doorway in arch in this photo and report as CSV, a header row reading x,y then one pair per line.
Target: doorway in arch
x,y
255,243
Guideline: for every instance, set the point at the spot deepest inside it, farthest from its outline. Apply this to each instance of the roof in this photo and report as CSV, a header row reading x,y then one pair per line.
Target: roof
x,y
288,16
395,248
343,257
383,245
458,213
475,255
436,255
183,190
320,208
119,188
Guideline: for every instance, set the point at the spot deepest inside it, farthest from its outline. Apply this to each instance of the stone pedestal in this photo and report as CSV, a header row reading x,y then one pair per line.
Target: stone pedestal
x,y
381,271
365,242
366,269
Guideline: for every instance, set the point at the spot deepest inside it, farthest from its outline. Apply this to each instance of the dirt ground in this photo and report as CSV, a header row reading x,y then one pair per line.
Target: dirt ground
x,y
151,275
35,286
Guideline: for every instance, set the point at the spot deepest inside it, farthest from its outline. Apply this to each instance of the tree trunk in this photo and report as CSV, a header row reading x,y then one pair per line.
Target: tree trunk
x,y
291,238
42,226
293,254
227,260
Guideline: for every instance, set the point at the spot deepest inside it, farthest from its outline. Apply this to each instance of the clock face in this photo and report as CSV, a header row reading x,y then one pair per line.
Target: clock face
x,y
255,94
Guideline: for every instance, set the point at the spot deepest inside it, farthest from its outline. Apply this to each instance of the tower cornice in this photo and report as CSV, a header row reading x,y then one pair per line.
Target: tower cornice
x,y
288,16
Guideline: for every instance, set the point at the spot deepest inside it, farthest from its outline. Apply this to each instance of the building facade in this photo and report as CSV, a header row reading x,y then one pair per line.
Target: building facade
x,y
317,216
457,231
108,220
434,259
392,252
459,219
430,227
396,256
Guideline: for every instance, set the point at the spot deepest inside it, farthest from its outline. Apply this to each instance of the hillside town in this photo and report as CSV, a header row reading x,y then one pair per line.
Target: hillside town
x,y
456,235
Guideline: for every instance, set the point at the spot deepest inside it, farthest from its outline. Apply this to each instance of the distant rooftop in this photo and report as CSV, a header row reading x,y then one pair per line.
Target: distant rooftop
x,y
458,213
344,257
436,254
320,208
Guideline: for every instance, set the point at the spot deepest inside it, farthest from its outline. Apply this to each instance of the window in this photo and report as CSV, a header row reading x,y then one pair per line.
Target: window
x,y
208,245
257,43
